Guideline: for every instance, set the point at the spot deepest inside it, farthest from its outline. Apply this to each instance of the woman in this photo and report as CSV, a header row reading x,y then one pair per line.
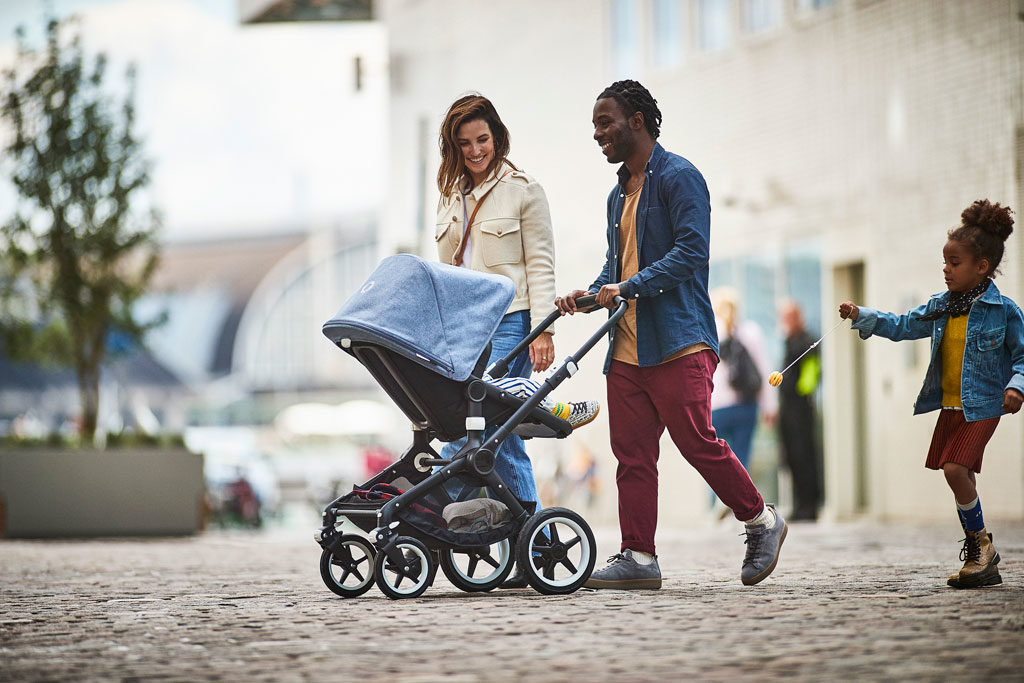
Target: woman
x,y
739,390
494,218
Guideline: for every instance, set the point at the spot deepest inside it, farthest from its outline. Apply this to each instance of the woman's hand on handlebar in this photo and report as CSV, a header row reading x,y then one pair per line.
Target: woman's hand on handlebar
x,y
567,303
542,352
606,297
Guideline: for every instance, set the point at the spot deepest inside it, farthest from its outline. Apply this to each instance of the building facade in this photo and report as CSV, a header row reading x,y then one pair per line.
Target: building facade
x,y
840,140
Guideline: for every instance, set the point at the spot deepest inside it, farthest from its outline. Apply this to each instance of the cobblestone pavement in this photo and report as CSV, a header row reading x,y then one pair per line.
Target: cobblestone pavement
x,y
847,601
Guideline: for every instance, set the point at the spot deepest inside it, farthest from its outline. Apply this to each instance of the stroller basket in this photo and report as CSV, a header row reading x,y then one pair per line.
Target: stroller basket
x,y
456,539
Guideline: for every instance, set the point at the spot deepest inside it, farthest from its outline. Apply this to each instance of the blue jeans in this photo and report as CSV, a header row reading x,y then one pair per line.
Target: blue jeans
x,y
511,462
736,425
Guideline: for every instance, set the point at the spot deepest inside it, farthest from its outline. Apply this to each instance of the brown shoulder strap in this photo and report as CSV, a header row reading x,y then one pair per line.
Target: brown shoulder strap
x,y
457,259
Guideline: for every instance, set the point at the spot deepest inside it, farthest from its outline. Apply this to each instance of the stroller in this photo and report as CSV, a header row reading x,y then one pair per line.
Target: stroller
x,y
423,331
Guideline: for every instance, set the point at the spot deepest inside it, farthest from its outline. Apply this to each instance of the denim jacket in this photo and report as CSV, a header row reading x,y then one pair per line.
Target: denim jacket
x,y
673,233
993,354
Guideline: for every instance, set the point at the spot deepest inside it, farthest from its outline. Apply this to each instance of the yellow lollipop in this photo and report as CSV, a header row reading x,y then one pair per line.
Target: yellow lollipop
x,y
775,379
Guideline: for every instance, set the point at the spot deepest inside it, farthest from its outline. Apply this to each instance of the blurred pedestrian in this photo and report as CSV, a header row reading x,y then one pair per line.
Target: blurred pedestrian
x,y
740,391
798,414
664,350
493,217
976,373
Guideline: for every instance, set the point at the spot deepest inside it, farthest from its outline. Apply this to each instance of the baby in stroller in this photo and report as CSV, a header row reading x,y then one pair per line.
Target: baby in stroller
x,y
576,413
422,330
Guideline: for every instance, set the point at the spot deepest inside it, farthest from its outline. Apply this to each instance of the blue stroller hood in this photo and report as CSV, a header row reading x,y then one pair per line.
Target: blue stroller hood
x,y
437,315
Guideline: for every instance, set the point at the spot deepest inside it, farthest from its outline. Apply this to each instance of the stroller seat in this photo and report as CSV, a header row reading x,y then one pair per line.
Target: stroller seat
x,y
435,402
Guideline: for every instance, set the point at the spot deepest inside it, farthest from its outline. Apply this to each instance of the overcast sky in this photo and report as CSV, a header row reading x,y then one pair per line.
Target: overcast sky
x,y
252,128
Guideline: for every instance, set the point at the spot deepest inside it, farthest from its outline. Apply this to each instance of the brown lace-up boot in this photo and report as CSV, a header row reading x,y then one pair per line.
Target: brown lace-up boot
x,y
980,559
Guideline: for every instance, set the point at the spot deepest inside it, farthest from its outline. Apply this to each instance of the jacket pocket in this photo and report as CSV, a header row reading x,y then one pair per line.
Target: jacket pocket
x,y
501,241
991,340
989,354
447,234
444,226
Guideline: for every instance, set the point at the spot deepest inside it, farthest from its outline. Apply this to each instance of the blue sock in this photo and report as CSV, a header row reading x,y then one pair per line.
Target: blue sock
x,y
973,521
960,514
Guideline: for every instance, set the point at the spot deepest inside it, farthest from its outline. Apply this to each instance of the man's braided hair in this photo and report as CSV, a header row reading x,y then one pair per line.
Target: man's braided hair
x,y
633,97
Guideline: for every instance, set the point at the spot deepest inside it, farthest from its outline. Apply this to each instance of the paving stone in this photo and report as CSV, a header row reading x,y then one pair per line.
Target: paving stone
x,y
232,606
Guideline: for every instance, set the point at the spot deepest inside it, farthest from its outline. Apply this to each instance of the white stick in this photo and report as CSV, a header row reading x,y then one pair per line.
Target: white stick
x,y
813,345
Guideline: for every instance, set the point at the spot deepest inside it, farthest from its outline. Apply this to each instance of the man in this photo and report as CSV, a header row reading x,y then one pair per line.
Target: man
x,y
797,421
664,350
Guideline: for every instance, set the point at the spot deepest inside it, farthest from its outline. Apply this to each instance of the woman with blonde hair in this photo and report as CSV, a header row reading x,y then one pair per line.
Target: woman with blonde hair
x,y
739,390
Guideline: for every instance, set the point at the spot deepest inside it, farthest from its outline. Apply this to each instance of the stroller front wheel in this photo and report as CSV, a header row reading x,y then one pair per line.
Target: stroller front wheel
x,y
409,577
350,572
556,551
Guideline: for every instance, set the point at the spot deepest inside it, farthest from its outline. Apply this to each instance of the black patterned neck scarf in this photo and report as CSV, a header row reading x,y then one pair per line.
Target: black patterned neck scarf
x,y
959,303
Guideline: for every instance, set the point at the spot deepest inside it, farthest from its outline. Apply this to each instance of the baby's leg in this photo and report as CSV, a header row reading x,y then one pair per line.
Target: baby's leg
x,y
523,388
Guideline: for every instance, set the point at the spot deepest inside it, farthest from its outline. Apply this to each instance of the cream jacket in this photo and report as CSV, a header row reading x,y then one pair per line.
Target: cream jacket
x,y
511,236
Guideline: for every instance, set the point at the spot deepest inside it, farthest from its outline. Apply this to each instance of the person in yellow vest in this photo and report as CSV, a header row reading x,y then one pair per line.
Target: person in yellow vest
x,y
976,372
797,419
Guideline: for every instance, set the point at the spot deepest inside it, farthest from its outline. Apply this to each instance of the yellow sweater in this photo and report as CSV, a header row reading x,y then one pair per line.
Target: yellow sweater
x,y
952,349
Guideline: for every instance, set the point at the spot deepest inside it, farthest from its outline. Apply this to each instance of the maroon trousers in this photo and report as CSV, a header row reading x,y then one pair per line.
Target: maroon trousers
x,y
642,402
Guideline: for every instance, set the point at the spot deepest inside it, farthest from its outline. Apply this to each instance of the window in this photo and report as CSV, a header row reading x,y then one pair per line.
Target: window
x,y
803,283
667,33
761,15
808,5
714,24
624,37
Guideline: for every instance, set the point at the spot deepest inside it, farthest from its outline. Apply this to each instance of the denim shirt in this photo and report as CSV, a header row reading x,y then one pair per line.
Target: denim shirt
x,y
673,233
993,353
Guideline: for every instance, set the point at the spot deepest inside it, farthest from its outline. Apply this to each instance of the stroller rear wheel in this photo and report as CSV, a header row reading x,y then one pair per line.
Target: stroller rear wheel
x,y
409,578
478,569
350,572
556,551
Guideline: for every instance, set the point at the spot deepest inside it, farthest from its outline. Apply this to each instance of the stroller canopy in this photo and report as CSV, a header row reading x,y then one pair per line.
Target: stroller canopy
x,y
438,315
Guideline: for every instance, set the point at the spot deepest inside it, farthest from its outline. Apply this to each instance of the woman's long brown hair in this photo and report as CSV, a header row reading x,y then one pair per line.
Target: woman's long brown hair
x,y
453,166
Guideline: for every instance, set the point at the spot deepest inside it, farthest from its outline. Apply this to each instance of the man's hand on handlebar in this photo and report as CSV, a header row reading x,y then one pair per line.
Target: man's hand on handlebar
x,y
606,297
567,303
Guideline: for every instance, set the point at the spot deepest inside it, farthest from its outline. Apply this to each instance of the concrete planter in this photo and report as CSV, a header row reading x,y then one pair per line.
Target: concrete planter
x,y
81,492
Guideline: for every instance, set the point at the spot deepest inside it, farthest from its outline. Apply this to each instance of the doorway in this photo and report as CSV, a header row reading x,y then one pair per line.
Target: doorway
x,y
847,467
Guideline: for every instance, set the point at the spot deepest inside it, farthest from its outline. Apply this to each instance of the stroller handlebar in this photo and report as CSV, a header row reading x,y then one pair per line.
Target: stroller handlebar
x,y
585,304
588,303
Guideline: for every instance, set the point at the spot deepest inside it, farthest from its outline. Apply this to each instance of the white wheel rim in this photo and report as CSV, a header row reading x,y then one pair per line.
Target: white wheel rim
x,y
581,563
503,551
407,588
338,572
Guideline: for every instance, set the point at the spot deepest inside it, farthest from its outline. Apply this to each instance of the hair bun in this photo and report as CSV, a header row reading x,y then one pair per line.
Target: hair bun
x,y
992,218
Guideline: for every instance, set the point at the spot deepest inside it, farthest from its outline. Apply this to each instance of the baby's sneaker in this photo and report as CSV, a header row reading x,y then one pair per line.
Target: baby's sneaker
x,y
582,413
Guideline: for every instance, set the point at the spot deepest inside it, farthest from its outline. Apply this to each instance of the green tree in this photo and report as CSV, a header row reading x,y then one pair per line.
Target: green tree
x,y
81,245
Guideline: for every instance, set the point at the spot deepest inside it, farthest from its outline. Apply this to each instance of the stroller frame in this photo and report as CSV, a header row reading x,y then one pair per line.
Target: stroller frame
x,y
409,552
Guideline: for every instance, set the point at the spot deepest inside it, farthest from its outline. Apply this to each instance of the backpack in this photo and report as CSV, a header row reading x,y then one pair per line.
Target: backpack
x,y
743,375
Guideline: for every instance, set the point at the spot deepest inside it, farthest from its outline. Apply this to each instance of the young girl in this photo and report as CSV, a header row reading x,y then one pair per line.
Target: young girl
x,y
976,371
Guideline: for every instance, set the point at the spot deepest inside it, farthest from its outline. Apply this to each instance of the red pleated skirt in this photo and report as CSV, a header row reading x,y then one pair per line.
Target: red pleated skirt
x,y
957,440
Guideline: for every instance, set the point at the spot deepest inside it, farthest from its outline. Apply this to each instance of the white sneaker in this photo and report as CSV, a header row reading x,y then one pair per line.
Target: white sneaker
x,y
583,412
